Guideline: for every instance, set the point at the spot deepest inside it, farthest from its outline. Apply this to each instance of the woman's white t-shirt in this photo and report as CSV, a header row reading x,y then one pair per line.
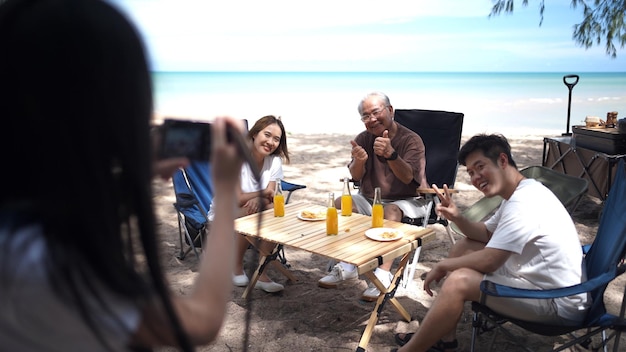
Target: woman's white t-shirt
x,y
271,170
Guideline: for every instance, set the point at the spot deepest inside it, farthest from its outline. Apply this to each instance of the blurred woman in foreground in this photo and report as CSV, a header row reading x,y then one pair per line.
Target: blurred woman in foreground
x,y
79,266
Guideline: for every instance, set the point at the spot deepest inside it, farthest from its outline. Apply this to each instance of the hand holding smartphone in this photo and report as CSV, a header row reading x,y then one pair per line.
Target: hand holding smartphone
x,y
192,139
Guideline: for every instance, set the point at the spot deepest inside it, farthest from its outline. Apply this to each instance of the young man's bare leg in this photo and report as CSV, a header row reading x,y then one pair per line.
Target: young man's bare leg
x,y
441,319
461,247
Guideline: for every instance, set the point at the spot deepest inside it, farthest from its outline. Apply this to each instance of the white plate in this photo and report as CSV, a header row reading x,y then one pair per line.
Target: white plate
x,y
381,234
320,215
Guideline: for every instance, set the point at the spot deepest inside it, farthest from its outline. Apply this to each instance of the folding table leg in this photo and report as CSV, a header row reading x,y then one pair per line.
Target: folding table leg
x,y
265,259
386,294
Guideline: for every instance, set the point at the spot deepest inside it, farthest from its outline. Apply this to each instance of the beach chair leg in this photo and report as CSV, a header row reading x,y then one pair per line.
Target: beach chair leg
x,y
181,253
182,231
409,270
452,239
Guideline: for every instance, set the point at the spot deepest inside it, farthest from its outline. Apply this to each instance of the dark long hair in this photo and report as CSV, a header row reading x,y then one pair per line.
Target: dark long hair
x,y
75,106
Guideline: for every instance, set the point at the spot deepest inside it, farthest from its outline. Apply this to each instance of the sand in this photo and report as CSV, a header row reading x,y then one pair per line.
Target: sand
x,y
305,317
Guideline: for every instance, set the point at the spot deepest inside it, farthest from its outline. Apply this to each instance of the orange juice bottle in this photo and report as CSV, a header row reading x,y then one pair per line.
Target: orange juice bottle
x,y
279,200
332,223
377,209
346,199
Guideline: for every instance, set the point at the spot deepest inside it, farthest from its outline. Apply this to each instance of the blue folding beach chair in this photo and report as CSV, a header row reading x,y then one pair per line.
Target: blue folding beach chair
x,y
603,262
194,192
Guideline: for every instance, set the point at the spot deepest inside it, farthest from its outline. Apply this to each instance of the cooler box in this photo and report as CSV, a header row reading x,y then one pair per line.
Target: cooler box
x,y
605,140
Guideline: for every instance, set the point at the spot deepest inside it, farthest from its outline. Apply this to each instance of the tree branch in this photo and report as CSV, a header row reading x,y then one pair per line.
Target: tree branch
x,y
603,20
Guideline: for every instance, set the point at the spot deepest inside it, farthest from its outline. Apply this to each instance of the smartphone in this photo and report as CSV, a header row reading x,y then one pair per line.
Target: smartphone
x,y
191,139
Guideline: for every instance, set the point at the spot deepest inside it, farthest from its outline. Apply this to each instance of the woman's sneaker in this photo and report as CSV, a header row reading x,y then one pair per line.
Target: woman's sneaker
x,y
241,280
269,287
337,274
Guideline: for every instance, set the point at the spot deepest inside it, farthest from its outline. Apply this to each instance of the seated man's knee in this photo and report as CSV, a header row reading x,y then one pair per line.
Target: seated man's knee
x,y
463,281
393,212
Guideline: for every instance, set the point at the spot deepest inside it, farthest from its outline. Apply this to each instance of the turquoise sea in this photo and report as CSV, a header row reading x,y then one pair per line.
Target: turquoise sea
x,y
313,102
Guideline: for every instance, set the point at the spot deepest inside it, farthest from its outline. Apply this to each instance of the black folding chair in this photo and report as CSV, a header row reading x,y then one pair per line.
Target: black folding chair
x,y
441,133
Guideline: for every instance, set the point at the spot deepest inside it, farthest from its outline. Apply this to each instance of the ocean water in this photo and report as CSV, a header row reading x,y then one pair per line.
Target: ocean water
x,y
514,104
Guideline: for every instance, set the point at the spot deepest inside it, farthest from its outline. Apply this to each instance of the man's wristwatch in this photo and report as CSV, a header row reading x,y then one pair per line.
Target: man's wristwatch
x,y
393,156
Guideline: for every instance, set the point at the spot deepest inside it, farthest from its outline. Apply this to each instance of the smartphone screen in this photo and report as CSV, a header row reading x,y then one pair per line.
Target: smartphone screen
x,y
190,139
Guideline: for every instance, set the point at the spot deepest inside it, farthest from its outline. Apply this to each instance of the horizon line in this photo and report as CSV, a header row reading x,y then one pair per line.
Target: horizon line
x,y
336,71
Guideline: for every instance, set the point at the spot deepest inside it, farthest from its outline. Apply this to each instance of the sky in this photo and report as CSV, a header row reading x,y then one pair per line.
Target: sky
x,y
362,35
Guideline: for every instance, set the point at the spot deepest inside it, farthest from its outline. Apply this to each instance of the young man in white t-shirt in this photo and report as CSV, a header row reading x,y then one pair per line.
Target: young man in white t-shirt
x,y
530,242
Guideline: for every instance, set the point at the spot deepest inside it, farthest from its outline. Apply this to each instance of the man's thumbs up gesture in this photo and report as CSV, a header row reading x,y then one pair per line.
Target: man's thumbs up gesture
x,y
382,145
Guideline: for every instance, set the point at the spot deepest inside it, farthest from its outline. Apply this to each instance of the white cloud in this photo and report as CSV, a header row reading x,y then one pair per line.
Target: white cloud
x,y
190,16
370,35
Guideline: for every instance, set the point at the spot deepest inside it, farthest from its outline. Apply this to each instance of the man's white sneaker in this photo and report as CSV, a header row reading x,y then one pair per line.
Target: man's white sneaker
x,y
337,274
371,293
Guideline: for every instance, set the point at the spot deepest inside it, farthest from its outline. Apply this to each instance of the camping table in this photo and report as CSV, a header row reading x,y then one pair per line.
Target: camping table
x,y
350,246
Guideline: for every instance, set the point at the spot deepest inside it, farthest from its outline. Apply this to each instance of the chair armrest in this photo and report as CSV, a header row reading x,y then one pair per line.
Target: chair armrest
x,y
432,190
290,187
492,289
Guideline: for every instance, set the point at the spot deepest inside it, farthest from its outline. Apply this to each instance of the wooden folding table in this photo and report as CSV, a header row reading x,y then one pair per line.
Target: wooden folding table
x,y
351,245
